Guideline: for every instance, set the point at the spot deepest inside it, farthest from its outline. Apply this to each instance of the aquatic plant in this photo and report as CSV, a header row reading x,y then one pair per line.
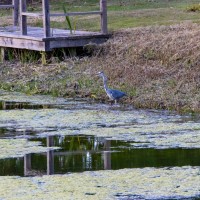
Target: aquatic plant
x,y
20,147
68,20
145,183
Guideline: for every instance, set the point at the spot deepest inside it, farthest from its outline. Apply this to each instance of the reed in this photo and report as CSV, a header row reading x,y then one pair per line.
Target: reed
x,y
68,20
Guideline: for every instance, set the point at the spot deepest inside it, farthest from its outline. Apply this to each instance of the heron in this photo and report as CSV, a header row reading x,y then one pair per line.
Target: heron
x,y
112,94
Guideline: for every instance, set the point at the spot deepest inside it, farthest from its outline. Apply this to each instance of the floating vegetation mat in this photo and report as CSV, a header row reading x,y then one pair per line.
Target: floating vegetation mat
x,y
140,128
16,100
145,183
20,147
145,129
34,99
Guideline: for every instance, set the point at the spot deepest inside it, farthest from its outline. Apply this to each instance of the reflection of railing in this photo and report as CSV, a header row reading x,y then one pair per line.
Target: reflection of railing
x,y
15,8
107,154
50,157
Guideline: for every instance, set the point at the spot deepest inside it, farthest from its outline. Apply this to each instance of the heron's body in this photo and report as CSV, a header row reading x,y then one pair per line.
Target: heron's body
x,y
112,94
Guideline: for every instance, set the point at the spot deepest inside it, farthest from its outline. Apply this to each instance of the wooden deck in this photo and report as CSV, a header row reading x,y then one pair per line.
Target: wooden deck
x,y
34,40
46,38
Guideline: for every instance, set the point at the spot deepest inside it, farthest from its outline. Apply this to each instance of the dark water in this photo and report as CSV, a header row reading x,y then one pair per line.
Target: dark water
x,y
85,153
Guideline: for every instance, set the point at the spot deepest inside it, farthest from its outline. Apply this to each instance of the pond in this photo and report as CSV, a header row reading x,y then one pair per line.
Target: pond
x,y
95,151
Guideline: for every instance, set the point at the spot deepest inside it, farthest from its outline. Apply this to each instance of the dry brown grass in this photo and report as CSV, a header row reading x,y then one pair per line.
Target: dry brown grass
x,y
161,63
158,67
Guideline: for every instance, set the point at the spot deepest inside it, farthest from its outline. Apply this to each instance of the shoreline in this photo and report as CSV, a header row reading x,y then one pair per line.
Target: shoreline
x,y
156,66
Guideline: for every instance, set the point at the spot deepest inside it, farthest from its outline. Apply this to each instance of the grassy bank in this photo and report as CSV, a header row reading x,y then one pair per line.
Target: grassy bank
x,y
157,65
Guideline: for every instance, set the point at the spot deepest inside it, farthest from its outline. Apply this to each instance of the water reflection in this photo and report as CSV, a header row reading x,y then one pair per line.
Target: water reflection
x,y
84,153
50,156
9,105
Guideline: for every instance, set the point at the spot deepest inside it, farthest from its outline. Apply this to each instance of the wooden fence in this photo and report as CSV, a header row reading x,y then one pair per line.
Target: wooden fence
x,y
20,12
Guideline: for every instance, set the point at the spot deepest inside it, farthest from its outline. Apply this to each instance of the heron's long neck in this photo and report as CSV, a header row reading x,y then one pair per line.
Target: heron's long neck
x,y
105,83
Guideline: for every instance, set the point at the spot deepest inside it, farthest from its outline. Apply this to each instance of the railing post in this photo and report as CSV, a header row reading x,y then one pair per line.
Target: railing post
x,y
46,18
103,7
15,3
23,19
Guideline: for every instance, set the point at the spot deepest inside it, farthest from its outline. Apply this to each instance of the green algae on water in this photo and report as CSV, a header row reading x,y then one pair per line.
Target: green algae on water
x,y
145,183
20,147
144,129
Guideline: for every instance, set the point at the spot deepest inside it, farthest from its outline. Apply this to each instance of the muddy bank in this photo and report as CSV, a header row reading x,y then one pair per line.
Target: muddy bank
x,y
158,67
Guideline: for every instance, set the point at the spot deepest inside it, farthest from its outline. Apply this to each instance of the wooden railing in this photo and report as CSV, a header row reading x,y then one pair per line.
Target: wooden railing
x,y
46,16
15,10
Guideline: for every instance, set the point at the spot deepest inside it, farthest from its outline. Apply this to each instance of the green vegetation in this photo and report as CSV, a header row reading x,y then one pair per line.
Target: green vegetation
x,y
145,183
20,147
68,20
121,14
194,7
127,14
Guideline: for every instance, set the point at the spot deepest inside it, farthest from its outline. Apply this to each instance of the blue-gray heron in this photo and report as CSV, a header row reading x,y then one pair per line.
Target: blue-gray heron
x,y
112,94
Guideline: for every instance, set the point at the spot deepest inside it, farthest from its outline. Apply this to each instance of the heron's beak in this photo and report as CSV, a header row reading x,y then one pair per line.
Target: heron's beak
x,y
98,74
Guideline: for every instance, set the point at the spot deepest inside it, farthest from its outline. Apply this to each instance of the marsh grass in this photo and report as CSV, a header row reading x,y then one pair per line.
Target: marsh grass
x,y
194,7
24,56
160,63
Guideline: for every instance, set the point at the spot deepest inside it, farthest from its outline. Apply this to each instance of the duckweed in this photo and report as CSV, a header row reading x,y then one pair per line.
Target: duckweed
x,y
144,128
20,147
145,183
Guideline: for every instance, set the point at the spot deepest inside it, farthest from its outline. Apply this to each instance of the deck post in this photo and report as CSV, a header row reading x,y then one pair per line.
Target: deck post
x,y
103,7
46,18
2,54
23,18
15,3
44,60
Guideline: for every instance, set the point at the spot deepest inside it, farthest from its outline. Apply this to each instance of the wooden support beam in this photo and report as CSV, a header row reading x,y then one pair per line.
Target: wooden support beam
x,y
103,8
44,59
32,14
46,18
15,4
2,54
23,18
6,6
